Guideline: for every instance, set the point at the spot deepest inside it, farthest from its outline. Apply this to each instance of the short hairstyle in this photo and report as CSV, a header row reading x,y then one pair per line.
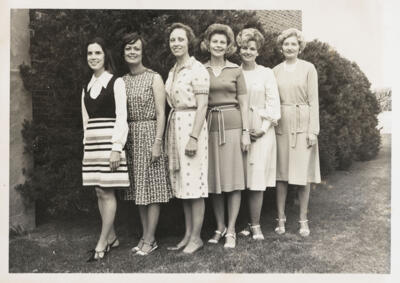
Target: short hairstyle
x,y
219,29
189,34
250,34
291,32
108,60
132,38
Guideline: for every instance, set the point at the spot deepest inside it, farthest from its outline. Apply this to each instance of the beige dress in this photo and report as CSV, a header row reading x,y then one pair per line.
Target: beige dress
x,y
264,109
188,174
297,163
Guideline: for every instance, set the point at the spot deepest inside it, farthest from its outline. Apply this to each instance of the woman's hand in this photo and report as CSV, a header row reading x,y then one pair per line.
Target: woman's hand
x,y
115,160
245,141
156,151
256,134
311,140
191,147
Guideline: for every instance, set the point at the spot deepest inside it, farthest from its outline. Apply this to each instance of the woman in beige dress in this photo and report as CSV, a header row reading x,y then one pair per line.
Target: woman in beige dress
x,y
298,128
264,113
187,87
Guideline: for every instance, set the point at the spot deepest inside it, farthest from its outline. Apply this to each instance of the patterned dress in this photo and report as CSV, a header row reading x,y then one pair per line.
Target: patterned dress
x,y
188,174
149,181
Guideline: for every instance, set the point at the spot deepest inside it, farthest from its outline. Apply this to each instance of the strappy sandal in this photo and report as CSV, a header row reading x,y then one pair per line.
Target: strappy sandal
x,y
304,232
98,255
230,241
153,246
113,244
256,232
217,236
138,247
246,231
280,229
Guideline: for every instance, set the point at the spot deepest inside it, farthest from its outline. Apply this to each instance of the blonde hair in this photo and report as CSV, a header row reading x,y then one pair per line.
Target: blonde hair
x,y
291,32
250,34
219,29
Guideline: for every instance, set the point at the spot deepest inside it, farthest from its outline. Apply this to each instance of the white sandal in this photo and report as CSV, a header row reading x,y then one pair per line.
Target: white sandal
x,y
280,229
256,232
230,241
217,236
304,232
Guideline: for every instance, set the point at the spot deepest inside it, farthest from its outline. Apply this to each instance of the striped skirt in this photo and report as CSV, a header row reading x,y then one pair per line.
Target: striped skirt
x,y
96,170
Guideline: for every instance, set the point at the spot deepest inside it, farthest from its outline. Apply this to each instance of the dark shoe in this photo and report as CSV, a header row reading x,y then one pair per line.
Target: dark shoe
x,y
98,255
113,244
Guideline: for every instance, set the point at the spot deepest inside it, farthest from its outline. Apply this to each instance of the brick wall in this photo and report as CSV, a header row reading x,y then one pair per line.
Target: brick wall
x,y
279,20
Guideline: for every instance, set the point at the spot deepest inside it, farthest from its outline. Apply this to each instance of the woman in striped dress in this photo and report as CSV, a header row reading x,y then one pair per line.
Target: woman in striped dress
x,y
105,129
147,162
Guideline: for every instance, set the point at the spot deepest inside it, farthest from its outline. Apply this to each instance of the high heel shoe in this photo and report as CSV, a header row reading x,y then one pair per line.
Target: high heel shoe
x,y
280,229
304,232
113,244
230,241
217,236
153,246
98,255
256,232
138,247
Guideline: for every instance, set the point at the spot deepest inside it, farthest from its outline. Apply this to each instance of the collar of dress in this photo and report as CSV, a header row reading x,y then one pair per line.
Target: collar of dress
x,y
228,64
103,79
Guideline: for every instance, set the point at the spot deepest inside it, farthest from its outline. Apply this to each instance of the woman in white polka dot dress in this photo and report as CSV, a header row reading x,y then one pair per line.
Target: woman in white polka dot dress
x,y
187,89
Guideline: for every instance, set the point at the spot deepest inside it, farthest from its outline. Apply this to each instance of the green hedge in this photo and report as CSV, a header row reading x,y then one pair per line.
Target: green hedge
x,y
348,109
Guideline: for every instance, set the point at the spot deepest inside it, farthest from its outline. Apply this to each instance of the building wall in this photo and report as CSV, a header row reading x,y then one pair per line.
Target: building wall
x,y
279,20
22,213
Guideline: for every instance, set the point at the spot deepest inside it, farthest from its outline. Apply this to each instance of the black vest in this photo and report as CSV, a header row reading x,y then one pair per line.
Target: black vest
x,y
104,104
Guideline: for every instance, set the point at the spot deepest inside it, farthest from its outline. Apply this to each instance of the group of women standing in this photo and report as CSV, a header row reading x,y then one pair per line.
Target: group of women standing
x,y
230,128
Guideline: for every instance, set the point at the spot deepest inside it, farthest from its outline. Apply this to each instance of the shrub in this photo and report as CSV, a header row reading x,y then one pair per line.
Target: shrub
x,y
59,69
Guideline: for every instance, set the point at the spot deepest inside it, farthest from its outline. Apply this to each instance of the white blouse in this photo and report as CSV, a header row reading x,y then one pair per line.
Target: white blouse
x,y
120,131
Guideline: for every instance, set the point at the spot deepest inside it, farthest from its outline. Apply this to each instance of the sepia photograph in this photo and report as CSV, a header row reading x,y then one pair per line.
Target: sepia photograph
x,y
196,140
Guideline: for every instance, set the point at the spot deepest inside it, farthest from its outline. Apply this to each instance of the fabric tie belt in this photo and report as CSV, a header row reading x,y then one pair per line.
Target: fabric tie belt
x,y
294,120
170,139
220,117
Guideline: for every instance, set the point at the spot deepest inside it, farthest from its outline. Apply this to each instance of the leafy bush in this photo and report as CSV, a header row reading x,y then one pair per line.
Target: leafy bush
x,y
347,107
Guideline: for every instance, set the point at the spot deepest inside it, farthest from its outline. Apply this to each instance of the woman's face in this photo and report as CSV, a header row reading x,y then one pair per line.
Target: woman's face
x,y
218,45
249,52
290,47
178,42
95,57
133,52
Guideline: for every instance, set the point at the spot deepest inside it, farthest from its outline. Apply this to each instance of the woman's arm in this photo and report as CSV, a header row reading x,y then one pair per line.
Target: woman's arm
x,y
243,99
312,91
120,132
85,116
159,99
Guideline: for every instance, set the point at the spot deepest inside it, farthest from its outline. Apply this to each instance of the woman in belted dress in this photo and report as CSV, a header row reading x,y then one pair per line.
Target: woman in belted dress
x,y
298,128
105,130
264,113
147,161
229,130
187,89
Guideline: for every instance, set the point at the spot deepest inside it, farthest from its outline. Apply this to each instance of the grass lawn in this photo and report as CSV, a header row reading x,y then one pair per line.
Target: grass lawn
x,y
350,233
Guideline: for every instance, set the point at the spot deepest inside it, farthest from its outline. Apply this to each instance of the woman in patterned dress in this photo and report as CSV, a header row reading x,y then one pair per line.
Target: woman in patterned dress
x,y
105,131
298,128
229,135
187,93
147,162
264,113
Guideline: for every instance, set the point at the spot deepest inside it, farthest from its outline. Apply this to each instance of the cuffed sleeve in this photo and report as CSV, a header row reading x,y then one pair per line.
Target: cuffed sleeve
x,y
120,132
312,92
85,116
272,109
241,84
200,80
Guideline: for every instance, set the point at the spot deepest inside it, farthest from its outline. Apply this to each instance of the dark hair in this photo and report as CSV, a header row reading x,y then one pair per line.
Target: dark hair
x,y
108,59
132,38
189,34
